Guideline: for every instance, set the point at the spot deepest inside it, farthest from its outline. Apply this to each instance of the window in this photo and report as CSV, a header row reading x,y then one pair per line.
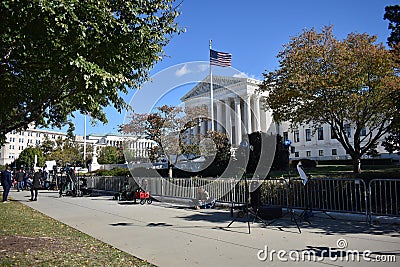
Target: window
x,y
363,132
296,154
347,130
285,136
292,149
308,135
320,133
296,136
320,153
334,152
308,153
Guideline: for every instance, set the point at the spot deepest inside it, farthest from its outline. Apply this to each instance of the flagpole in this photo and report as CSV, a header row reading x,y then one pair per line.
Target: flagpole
x,y
211,93
84,144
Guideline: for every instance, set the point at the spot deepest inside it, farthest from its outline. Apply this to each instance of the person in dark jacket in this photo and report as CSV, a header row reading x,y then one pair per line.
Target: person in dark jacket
x,y
37,177
6,182
20,179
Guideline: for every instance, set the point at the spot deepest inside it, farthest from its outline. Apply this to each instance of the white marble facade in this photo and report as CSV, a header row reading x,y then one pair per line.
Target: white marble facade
x,y
237,107
238,111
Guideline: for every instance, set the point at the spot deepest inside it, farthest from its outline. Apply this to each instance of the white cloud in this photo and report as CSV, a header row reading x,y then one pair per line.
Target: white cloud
x,y
182,71
240,75
203,67
245,75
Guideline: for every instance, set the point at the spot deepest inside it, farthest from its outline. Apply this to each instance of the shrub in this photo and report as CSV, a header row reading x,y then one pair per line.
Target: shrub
x,y
113,172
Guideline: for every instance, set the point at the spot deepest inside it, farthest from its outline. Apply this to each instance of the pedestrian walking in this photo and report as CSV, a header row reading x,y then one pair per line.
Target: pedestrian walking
x,y
6,182
37,178
20,175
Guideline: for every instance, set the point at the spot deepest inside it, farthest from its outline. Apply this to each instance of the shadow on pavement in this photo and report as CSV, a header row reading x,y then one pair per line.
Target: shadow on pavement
x,y
319,225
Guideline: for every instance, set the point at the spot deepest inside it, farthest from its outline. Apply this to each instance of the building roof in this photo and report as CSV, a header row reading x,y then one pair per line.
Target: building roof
x,y
203,87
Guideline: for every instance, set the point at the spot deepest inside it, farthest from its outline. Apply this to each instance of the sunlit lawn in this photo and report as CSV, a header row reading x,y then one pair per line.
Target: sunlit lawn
x,y
346,171
29,238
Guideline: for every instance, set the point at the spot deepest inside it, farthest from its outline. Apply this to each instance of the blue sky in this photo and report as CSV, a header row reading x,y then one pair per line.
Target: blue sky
x,y
253,32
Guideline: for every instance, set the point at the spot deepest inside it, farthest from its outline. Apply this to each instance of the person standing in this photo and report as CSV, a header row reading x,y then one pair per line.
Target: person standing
x,y
20,179
62,184
6,182
37,177
45,172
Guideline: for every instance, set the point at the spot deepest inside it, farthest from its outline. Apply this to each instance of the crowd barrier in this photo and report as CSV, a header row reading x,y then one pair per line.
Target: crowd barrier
x,y
347,195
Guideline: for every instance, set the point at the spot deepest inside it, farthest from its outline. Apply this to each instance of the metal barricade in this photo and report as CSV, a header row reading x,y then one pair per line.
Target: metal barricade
x,y
384,197
275,191
381,197
331,194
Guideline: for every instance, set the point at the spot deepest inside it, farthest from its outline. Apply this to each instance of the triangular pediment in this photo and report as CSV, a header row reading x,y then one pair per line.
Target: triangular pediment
x,y
203,87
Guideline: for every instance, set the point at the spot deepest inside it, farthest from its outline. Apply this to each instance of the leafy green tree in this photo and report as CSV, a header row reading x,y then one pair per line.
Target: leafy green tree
x,y
57,57
217,152
111,155
27,157
66,151
168,126
322,80
69,153
392,141
392,13
47,147
165,126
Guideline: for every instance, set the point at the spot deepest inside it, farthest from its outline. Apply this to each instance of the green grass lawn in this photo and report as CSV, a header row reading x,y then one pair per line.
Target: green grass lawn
x,y
346,171
29,238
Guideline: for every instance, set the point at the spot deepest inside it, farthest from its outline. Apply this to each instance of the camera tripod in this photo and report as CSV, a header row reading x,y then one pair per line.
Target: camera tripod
x,y
247,209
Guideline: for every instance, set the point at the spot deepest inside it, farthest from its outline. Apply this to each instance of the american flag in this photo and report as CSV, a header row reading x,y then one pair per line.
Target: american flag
x,y
220,58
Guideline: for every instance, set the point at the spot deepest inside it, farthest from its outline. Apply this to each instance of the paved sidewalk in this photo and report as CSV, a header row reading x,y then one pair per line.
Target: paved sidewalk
x,y
173,236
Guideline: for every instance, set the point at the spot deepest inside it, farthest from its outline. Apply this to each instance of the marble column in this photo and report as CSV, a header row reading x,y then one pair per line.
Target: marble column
x,y
238,121
248,114
257,112
219,121
195,133
203,126
228,124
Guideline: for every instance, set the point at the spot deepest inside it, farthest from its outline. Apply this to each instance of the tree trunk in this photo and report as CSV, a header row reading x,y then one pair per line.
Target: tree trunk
x,y
356,165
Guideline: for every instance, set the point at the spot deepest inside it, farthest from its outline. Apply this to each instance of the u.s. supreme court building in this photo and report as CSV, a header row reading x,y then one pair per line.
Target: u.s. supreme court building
x,y
238,110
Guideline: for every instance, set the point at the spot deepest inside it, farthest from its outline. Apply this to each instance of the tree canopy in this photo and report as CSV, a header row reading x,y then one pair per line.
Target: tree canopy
x,y
323,80
392,141
166,126
169,127
27,158
392,13
57,57
65,152
111,155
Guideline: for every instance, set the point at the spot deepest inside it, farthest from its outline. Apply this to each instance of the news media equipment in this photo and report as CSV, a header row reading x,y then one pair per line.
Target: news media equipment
x,y
287,143
247,209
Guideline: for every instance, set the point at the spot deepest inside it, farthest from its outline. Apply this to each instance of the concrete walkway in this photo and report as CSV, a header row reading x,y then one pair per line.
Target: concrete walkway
x,y
174,236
